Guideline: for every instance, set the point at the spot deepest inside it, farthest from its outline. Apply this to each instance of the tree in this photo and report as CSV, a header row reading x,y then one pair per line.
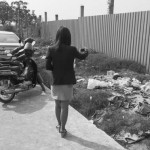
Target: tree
x,y
5,12
22,16
110,6
19,8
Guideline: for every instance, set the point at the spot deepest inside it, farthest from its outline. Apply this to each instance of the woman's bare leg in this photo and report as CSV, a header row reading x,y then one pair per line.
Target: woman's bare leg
x,y
58,111
64,114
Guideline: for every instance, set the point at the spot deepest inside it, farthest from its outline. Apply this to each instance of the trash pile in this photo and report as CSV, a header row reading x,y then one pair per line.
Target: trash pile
x,y
132,138
128,93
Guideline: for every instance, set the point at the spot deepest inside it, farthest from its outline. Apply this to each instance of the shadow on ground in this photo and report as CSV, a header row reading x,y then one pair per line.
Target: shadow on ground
x,y
86,143
27,102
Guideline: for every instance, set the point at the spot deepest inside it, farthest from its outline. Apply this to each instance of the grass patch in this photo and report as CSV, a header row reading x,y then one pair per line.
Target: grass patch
x,y
99,63
42,42
87,101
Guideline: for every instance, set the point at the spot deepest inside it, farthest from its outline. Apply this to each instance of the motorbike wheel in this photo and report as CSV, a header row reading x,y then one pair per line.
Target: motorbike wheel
x,y
5,98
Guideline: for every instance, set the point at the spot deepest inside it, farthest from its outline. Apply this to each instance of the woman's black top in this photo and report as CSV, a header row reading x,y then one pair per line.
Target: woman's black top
x,y
60,61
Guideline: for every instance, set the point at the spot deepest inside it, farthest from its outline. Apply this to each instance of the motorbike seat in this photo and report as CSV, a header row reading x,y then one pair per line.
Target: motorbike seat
x,y
20,78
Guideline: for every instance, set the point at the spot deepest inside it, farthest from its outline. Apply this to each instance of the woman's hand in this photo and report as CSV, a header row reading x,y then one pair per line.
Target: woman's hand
x,y
84,50
74,64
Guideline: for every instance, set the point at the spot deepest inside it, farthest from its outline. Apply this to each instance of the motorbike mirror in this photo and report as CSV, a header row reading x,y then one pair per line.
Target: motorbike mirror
x,y
19,40
33,43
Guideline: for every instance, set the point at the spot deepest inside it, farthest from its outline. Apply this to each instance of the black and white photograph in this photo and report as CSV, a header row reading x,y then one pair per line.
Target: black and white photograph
x,y
75,75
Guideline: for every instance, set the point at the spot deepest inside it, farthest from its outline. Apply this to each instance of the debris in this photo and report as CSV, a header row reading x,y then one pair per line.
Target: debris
x,y
116,76
128,90
110,73
98,77
43,57
136,138
128,93
79,80
132,138
98,116
123,82
136,84
78,77
36,53
146,88
143,109
92,83
91,97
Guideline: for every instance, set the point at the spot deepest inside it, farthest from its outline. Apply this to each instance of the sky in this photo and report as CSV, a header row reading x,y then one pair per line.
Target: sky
x,y
70,9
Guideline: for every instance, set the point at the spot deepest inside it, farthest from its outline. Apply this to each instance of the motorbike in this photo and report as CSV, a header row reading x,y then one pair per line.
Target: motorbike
x,y
11,79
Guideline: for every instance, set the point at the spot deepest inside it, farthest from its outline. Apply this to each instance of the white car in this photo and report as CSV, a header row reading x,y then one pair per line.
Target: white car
x,y
8,42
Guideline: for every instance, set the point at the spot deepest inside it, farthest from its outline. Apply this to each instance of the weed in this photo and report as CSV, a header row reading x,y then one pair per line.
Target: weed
x,y
90,100
101,63
114,122
41,42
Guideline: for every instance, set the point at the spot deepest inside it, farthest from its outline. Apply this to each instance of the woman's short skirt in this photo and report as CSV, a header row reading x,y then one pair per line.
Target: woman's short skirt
x,y
62,92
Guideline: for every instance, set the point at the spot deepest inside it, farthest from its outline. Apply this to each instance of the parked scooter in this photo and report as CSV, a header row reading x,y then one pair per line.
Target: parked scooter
x,y
17,74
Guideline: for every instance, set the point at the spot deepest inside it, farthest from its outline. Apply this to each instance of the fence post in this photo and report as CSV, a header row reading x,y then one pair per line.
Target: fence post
x,y
45,17
56,17
81,29
39,27
110,6
82,11
40,18
45,33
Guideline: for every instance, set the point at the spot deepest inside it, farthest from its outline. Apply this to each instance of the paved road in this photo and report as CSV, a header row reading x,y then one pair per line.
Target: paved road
x,y
28,123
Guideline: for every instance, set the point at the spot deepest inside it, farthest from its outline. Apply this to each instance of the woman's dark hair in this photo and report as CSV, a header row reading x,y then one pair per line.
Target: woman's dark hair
x,y
63,36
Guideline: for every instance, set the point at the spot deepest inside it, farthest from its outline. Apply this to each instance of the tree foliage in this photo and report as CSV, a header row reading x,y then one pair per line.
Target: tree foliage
x,y
17,12
22,15
5,12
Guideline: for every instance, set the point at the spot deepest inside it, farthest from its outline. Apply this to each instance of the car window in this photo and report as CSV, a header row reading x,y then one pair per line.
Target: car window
x,y
8,38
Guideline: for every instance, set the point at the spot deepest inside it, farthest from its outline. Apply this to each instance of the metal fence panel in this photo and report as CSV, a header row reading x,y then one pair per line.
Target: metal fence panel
x,y
120,35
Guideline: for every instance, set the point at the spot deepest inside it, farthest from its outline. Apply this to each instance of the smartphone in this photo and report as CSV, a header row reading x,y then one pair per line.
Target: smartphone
x,y
82,50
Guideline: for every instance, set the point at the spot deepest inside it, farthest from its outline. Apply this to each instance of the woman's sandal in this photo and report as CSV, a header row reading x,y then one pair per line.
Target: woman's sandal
x,y
63,133
58,128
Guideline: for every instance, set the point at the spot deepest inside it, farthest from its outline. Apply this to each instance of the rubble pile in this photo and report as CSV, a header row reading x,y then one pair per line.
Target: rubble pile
x,y
127,93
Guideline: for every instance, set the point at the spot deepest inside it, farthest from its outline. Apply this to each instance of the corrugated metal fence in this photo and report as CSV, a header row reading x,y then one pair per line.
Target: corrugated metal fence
x,y
125,35
49,29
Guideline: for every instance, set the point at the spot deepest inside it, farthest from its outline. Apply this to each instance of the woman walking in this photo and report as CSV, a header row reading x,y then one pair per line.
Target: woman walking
x,y
60,61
